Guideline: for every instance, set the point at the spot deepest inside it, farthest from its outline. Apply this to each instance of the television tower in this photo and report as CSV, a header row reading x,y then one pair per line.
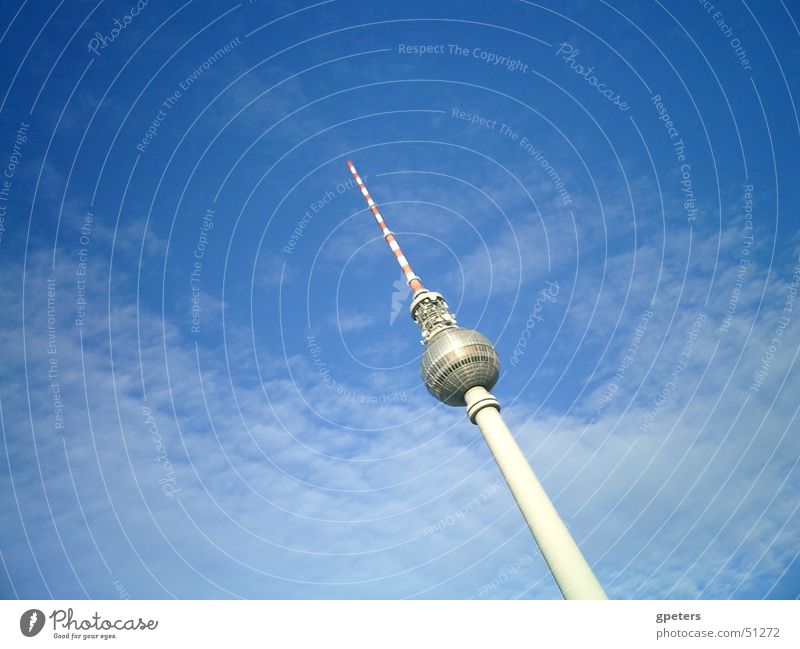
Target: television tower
x,y
459,367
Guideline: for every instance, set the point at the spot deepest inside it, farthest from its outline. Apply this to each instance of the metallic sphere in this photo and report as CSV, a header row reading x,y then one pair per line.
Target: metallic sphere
x,y
456,360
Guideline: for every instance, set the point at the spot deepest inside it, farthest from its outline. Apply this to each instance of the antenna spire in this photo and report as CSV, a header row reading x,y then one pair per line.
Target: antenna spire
x,y
411,278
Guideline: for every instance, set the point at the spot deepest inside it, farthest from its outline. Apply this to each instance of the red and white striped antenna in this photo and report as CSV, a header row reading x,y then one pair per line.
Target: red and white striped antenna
x,y
412,279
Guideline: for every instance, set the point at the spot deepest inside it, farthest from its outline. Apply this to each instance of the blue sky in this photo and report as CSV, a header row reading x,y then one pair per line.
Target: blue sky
x,y
210,386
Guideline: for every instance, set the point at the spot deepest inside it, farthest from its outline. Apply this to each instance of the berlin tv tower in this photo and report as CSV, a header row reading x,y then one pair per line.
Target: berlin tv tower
x,y
459,367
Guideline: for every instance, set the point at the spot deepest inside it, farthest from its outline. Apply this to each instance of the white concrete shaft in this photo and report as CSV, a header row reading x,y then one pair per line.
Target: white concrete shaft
x,y
572,573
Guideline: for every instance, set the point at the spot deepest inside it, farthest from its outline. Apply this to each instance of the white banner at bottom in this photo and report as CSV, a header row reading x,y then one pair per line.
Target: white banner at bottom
x,y
389,624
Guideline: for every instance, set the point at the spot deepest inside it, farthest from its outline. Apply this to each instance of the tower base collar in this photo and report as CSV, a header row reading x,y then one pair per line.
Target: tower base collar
x,y
477,399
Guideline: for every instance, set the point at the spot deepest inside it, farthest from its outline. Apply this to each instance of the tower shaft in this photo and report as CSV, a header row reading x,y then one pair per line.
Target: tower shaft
x,y
570,569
